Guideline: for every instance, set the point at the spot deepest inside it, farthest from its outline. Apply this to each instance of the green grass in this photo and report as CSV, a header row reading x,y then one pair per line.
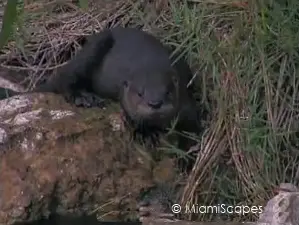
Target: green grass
x,y
246,62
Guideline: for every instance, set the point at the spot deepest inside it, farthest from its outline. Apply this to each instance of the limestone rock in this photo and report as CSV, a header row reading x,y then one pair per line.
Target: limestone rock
x,y
283,208
56,158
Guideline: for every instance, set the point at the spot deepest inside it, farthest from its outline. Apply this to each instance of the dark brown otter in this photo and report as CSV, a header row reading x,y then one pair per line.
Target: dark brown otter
x,y
138,71
133,67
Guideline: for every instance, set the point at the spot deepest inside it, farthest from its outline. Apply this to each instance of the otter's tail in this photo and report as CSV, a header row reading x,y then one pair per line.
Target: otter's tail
x,y
78,72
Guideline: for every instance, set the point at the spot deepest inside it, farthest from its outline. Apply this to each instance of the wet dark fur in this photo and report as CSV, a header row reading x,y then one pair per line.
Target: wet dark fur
x,y
132,66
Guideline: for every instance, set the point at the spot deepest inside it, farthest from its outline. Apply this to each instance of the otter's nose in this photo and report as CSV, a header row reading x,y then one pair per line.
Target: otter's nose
x,y
155,104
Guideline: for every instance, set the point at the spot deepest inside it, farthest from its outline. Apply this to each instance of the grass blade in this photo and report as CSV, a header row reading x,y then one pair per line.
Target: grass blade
x,y
9,18
83,4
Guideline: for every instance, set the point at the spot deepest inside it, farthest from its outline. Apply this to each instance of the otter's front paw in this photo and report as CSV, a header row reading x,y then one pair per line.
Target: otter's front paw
x,y
148,211
85,100
156,202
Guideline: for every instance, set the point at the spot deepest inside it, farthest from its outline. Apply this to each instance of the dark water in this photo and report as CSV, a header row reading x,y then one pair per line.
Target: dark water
x,y
69,220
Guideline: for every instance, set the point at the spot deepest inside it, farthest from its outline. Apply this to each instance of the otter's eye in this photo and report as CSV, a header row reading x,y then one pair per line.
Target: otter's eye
x,y
125,83
140,93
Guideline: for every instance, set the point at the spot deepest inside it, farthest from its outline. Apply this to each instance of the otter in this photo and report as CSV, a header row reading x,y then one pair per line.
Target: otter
x,y
135,68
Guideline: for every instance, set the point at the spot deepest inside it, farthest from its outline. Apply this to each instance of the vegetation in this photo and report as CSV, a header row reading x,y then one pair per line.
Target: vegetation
x,y
245,57
8,21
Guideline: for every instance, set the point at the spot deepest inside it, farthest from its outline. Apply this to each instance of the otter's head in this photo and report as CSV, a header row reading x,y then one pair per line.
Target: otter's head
x,y
151,100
